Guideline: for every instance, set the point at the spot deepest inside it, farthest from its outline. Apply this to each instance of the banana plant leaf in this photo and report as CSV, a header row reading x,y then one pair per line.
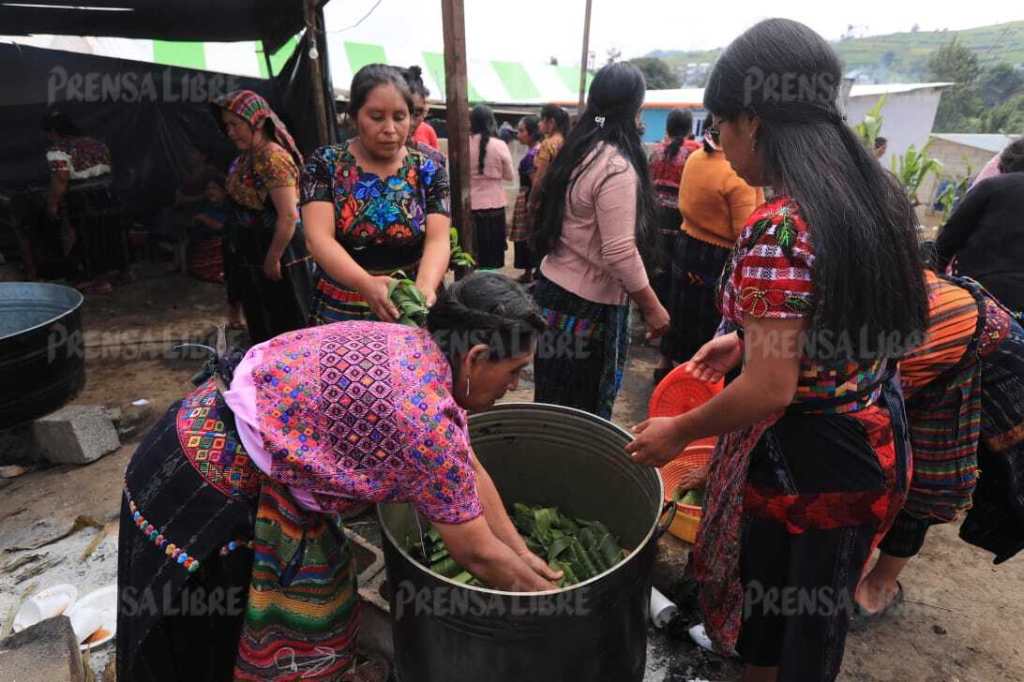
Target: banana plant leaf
x,y
581,549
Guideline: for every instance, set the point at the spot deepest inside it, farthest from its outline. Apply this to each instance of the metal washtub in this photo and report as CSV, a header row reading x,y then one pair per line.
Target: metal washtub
x,y
597,630
42,359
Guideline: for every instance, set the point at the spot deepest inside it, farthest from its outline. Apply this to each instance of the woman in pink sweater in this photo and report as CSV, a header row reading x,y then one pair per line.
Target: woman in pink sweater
x,y
595,218
490,167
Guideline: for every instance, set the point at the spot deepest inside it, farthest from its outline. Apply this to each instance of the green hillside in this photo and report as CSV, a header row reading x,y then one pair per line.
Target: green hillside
x,y
903,56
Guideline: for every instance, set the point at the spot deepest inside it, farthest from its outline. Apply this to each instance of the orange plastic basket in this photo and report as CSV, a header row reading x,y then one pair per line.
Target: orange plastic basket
x,y
680,392
677,393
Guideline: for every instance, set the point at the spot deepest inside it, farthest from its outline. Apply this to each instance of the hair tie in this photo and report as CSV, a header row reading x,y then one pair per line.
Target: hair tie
x,y
599,120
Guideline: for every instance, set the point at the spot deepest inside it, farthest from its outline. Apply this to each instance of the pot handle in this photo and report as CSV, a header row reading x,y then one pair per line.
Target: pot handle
x,y
670,509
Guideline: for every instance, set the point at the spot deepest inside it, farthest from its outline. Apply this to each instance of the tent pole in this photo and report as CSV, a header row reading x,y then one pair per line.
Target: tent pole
x,y
457,102
316,73
584,62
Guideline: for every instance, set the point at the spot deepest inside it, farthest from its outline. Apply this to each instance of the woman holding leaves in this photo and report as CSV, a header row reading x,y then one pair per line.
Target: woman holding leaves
x,y
825,289
373,207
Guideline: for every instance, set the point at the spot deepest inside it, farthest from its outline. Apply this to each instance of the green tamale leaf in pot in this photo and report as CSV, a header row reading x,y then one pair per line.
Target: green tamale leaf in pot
x,y
557,547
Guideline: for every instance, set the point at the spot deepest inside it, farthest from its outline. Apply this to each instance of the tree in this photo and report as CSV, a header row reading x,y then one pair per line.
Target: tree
x,y
613,54
960,105
1006,118
999,83
553,61
658,74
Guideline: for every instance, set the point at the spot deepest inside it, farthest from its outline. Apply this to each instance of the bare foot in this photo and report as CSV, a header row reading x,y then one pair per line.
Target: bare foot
x,y
874,596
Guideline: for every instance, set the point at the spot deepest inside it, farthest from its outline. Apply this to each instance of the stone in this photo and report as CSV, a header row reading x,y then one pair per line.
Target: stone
x,y
670,563
76,434
134,417
46,652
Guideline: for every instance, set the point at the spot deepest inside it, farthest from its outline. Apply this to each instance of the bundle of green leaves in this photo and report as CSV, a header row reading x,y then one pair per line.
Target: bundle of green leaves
x,y
580,549
412,306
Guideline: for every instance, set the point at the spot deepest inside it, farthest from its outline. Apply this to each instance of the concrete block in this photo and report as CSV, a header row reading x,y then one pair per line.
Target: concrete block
x,y
375,633
46,652
76,434
369,558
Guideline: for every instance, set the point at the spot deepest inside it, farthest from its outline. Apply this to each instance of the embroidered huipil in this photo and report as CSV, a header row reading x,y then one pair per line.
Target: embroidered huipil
x,y
357,412
769,276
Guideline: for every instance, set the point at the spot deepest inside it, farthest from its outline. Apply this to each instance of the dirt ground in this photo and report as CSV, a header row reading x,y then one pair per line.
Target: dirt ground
x,y
963,620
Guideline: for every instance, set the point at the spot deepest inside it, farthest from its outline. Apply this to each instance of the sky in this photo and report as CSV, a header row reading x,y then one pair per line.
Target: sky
x,y
535,30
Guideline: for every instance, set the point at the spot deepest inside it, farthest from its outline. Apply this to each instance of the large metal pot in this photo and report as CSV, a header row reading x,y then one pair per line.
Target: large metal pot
x,y
42,358
597,630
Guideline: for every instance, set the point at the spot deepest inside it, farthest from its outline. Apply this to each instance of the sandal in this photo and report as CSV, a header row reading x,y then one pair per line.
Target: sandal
x,y
862,618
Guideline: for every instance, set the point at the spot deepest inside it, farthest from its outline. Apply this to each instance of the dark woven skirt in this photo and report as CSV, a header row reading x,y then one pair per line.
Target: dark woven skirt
x,y
271,308
221,575
100,241
490,237
996,521
669,220
696,268
178,621
581,358
206,259
821,488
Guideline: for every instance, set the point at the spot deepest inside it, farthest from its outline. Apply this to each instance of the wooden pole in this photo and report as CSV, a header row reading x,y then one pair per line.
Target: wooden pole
x,y
585,61
317,73
456,80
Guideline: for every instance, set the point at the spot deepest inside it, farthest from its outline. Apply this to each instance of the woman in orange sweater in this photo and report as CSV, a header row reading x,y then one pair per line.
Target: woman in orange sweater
x,y
715,203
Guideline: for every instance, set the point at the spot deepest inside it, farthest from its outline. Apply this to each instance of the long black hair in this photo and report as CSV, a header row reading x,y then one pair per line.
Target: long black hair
x,y
678,127
615,97
487,308
553,112
867,270
370,77
482,123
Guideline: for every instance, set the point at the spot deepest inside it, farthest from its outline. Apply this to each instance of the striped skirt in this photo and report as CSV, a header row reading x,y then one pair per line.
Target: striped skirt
x,y
581,358
221,575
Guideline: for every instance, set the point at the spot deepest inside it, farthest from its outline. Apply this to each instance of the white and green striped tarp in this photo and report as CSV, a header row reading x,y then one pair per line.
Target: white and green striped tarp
x,y
490,80
237,59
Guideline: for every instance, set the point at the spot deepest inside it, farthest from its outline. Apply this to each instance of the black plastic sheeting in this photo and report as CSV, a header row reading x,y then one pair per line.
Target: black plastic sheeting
x,y
273,21
149,115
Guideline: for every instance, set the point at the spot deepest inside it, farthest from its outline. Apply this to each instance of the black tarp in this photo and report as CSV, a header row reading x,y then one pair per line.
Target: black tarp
x,y
273,21
147,114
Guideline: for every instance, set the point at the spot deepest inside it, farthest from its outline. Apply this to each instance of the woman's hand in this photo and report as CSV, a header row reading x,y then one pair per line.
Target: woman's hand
x,y
541,567
272,266
657,441
374,288
657,320
716,358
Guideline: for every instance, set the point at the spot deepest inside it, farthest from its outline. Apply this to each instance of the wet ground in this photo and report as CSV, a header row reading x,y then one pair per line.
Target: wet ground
x,y
962,621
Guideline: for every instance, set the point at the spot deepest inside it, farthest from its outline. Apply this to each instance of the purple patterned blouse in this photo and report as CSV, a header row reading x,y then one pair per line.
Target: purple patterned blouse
x,y
363,412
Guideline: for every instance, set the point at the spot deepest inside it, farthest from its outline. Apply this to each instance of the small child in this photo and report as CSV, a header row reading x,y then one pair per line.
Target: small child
x,y
206,250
